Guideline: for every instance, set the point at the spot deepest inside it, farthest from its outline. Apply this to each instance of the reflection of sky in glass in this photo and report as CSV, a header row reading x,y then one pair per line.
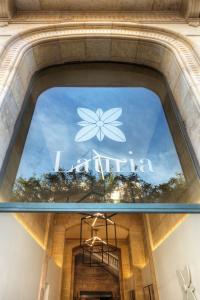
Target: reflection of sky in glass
x,y
54,126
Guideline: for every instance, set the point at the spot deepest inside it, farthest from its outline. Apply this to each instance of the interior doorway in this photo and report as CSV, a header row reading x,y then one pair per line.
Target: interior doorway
x,y
96,282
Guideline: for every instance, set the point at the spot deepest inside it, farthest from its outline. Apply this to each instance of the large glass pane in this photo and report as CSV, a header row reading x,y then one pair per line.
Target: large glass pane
x,y
103,144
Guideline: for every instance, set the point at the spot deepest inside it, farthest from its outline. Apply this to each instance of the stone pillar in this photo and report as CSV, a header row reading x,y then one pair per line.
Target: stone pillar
x,y
137,257
68,269
7,9
47,249
67,273
126,284
149,245
191,9
58,243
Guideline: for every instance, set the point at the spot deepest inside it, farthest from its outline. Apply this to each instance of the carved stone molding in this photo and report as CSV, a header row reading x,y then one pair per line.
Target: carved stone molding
x,y
135,17
169,53
6,9
191,9
103,5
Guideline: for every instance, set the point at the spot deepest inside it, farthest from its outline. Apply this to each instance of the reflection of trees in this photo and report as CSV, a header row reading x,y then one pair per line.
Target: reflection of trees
x,y
85,187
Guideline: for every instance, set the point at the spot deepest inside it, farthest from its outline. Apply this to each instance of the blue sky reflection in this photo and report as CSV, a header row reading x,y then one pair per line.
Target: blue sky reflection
x,y
54,127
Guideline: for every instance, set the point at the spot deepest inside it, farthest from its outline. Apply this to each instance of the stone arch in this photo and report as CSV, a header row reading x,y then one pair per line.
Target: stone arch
x,y
163,50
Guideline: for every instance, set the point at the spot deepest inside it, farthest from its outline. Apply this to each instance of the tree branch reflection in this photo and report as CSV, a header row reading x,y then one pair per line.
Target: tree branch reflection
x,y
86,187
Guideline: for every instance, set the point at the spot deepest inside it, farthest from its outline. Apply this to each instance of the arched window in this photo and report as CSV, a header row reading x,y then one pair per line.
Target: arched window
x,y
100,133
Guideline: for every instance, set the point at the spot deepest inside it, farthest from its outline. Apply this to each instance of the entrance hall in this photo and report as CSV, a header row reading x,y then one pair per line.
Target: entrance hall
x,y
44,254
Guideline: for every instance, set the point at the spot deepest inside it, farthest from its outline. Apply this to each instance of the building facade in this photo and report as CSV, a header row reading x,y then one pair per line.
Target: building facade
x,y
99,116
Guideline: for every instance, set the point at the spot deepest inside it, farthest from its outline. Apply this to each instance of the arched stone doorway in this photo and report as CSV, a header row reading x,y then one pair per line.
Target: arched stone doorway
x,y
166,51
100,75
95,281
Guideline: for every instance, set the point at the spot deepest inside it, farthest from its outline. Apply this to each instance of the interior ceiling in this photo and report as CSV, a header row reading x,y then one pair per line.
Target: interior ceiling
x,y
74,233
124,223
98,5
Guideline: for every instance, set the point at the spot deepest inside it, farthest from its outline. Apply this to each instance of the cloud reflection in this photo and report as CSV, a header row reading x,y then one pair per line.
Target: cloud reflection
x,y
54,127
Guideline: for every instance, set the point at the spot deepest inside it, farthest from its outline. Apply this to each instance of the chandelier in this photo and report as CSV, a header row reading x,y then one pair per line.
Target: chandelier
x,y
97,239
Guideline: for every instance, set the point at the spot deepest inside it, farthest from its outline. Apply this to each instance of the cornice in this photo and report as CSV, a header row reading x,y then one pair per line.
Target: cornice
x,y
181,46
189,10
135,17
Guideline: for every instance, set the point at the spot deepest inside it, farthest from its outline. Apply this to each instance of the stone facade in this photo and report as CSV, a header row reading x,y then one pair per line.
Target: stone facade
x,y
164,35
165,50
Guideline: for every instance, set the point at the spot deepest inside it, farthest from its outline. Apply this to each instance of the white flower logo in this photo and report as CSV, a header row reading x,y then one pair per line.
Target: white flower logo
x,y
99,124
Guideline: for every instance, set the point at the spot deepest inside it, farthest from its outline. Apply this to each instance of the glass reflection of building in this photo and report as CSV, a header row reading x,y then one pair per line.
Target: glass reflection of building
x,y
110,143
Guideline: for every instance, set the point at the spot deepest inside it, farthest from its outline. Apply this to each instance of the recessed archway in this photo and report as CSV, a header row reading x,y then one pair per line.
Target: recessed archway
x,y
118,77
163,50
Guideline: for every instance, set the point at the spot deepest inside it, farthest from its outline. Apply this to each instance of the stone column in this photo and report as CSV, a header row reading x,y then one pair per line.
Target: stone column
x,y
58,243
137,257
149,245
126,284
47,249
68,265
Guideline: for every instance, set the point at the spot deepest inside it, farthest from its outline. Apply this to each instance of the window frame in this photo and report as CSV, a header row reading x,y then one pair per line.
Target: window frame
x,y
108,207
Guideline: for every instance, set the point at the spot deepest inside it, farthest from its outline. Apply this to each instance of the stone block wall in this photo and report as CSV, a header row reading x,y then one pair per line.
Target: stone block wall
x,y
94,279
